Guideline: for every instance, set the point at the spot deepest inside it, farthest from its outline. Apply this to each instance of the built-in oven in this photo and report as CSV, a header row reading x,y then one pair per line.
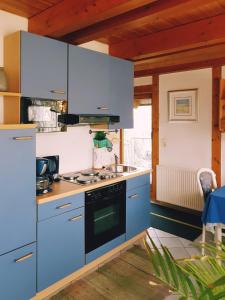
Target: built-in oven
x,y
105,215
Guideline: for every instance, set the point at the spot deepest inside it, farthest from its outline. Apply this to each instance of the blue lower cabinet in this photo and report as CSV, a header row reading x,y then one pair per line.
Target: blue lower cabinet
x,y
60,247
105,248
138,181
137,210
18,274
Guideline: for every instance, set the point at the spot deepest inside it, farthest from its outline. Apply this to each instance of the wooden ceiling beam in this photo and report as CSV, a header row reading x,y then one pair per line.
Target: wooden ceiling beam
x,y
143,96
183,61
143,89
132,19
189,36
143,92
142,73
69,15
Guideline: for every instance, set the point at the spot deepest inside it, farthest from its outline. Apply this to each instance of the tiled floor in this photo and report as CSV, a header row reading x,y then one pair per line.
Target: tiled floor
x,y
179,247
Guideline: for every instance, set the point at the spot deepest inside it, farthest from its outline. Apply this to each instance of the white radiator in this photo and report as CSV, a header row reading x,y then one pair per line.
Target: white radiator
x,y
178,186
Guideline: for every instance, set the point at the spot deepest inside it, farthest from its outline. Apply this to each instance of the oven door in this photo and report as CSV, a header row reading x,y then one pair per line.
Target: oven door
x,y
105,217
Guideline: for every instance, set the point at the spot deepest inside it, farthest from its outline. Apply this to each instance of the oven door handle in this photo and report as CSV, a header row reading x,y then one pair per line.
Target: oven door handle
x,y
105,216
113,199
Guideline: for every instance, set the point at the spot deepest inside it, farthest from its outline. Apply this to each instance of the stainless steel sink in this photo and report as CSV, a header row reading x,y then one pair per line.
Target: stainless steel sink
x,y
121,169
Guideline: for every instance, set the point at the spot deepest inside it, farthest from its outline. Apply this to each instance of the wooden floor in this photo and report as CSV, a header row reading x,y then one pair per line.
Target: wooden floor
x,y
126,277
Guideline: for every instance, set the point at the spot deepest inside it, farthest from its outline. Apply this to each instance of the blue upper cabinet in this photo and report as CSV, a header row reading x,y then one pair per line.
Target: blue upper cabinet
x,y
17,189
122,91
88,82
43,67
100,84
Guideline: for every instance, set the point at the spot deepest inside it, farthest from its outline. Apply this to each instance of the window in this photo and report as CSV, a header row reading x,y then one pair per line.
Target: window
x,y
137,141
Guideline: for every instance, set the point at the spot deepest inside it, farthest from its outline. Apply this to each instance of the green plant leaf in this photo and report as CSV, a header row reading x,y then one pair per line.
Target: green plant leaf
x,y
220,281
174,277
160,260
219,296
171,266
152,258
198,278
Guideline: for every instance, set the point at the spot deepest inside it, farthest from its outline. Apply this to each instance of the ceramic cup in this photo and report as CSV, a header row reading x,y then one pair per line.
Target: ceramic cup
x,y
3,81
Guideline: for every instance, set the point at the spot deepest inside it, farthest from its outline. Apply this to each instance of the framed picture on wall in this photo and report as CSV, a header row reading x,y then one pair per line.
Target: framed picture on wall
x,y
183,105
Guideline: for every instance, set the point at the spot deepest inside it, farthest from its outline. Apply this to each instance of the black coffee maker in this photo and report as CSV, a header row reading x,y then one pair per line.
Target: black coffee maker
x,y
43,181
47,169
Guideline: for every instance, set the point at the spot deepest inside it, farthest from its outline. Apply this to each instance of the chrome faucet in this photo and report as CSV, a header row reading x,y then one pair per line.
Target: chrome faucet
x,y
116,162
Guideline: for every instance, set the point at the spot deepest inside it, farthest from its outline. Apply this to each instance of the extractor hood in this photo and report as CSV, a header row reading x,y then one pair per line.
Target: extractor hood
x,y
72,119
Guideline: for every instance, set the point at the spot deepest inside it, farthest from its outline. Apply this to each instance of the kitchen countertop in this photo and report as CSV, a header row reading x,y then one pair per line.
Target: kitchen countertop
x,y
16,126
63,189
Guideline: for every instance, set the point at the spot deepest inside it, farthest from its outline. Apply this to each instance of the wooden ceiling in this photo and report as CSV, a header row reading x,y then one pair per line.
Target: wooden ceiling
x,y
159,35
26,8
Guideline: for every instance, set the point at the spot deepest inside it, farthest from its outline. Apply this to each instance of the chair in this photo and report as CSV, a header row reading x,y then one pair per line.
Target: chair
x,y
206,180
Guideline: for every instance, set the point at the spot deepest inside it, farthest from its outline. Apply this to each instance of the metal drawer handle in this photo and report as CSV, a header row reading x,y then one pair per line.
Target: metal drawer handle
x,y
63,206
24,257
133,196
75,218
103,108
22,138
57,91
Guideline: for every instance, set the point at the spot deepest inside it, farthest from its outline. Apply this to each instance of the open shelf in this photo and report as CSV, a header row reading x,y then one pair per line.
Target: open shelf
x,y
10,94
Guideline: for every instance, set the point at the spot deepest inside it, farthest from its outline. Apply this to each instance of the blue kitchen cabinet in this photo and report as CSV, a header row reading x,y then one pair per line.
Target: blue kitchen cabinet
x,y
121,91
100,84
17,189
43,67
137,209
60,247
88,82
18,274
59,206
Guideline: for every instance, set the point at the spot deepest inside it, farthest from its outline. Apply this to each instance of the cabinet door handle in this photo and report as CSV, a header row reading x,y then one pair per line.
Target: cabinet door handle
x,y
63,206
75,218
57,92
22,138
133,196
102,108
24,257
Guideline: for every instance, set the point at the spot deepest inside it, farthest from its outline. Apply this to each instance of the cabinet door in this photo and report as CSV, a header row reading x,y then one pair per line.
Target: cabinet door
x,y
18,274
121,91
17,189
137,211
88,82
43,67
60,247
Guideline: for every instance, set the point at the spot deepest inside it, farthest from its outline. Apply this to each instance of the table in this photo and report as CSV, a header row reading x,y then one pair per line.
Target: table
x,y
213,215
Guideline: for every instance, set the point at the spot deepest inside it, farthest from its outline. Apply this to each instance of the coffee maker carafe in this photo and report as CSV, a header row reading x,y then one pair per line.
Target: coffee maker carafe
x,y
43,181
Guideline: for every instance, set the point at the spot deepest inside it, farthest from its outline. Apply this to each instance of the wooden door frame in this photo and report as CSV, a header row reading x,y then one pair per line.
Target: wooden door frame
x,y
216,133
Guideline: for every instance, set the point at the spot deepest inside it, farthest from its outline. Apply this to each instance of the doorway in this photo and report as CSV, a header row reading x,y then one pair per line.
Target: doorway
x,y
137,142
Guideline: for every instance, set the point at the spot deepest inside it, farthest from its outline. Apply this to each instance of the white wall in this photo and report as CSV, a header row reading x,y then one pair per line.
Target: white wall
x,y
142,80
74,148
186,145
96,46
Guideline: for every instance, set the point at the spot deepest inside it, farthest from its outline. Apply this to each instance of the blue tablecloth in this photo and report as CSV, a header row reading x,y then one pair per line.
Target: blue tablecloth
x,y
214,210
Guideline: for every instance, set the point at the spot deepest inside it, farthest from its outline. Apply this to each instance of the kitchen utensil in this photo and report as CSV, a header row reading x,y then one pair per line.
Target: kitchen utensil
x,y
41,166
